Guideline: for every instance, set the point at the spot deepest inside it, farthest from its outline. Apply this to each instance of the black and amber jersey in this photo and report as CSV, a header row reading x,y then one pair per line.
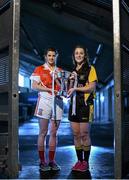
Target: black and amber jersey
x,y
85,75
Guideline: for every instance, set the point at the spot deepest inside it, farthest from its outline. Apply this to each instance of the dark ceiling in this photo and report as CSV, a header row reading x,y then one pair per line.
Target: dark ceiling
x,y
64,24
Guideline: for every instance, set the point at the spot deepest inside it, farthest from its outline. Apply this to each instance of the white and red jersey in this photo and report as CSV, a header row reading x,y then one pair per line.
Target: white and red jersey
x,y
43,74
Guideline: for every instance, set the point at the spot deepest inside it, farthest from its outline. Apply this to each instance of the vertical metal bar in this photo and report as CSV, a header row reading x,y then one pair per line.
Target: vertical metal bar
x,y
13,89
117,89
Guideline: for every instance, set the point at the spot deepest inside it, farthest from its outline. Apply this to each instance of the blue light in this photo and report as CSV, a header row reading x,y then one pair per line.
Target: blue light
x,y
101,98
32,99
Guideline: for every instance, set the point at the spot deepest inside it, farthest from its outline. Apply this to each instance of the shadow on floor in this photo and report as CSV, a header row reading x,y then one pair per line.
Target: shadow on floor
x,y
71,175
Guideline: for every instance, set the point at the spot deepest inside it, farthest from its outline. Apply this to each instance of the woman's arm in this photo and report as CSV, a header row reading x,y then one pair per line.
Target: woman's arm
x,y
90,87
39,87
57,80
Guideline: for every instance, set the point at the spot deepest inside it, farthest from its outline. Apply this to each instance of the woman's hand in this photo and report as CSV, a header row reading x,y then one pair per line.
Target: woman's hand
x,y
72,75
55,92
55,75
70,92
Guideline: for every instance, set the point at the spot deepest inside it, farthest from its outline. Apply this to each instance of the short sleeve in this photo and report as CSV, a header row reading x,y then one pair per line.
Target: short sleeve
x,y
92,75
35,75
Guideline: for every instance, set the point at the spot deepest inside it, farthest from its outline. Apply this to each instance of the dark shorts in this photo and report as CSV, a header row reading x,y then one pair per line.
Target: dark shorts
x,y
84,113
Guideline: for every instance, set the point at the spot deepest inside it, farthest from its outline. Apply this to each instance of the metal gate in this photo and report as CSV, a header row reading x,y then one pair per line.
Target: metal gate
x,y
9,64
121,76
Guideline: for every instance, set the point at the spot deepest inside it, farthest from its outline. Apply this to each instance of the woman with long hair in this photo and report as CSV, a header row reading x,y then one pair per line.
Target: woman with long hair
x,y
81,106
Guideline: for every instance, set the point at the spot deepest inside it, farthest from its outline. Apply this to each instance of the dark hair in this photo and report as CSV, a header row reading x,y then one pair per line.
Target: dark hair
x,y
50,49
86,58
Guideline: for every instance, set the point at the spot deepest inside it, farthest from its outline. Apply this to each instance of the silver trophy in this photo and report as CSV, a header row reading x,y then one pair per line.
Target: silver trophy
x,y
64,83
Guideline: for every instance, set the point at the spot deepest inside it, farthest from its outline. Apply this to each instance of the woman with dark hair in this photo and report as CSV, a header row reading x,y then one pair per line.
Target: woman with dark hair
x,y
49,107
81,107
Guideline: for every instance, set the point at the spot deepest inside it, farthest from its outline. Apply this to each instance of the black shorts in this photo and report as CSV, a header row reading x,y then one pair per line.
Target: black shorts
x,y
84,113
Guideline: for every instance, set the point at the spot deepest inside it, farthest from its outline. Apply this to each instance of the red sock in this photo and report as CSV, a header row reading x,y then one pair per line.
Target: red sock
x,y
51,155
41,156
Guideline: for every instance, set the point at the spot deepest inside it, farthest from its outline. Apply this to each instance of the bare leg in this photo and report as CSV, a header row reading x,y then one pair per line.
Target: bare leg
x,y
52,145
86,141
77,140
76,133
43,128
53,131
85,134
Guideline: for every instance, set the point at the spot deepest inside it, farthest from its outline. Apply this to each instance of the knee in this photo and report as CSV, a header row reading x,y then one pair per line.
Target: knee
x,y
43,133
53,133
85,136
76,136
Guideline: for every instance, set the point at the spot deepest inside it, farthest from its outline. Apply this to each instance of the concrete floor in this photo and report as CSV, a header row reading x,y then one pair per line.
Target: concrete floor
x,y
101,158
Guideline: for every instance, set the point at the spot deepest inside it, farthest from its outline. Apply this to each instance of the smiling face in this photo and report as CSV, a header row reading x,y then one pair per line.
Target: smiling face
x,y
79,55
50,57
